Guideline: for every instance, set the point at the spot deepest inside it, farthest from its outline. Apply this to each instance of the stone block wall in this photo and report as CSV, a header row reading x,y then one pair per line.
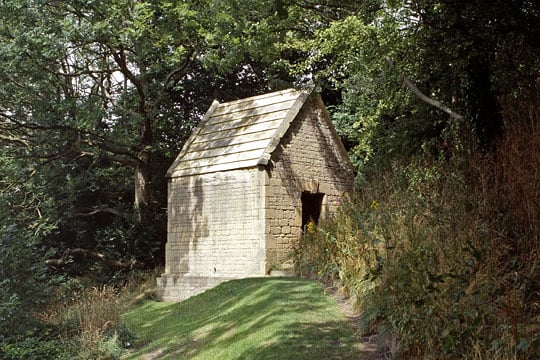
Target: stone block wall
x,y
215,230
247,222
307,160
175,287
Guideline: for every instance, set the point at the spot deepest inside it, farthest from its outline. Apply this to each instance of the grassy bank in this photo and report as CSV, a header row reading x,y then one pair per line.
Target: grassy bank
x,y
257,318
442,251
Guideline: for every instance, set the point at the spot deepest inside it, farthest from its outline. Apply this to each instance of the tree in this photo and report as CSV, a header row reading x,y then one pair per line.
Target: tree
x,y
410,74
91,91
24,280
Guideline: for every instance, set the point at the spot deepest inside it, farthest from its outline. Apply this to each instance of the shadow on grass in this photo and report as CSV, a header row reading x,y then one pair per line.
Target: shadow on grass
x,y
257,318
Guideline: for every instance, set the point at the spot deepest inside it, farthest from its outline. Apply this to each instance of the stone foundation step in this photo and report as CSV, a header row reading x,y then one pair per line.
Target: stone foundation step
x,y
178,287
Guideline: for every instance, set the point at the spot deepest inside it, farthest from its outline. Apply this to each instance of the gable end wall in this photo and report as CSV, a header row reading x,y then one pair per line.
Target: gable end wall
x,y
309,158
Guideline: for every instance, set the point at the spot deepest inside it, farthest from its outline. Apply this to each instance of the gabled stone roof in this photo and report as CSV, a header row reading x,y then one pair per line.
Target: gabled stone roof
x,y
238,134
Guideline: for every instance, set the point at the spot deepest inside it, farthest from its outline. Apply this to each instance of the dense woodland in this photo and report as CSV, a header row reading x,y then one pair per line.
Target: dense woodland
x,y
437,102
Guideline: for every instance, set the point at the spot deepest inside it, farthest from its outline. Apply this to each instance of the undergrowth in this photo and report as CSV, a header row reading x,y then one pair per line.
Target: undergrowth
x,y
83,321
442,251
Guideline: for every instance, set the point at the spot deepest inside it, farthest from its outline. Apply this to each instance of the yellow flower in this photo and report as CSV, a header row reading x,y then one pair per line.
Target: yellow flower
x,y
311,227
374,205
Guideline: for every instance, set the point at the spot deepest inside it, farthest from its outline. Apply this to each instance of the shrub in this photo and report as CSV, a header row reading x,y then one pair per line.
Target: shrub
x,y
442,252
90,315
36,348
23,277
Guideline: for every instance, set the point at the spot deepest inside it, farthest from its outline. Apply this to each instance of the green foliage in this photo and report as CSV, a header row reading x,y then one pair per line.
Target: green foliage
x,y
26,288
94,93
452,53
433,257
23,275
24,225
35,348
376,113
82,321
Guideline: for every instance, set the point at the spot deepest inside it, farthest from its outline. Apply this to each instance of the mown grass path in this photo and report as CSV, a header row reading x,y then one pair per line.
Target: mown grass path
x,y
256,318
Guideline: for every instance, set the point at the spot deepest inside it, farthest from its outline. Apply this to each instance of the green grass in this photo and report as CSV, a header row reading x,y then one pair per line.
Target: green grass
x,y
256,318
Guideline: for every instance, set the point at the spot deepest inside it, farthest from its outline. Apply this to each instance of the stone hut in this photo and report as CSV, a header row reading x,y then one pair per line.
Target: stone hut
x,y
247,181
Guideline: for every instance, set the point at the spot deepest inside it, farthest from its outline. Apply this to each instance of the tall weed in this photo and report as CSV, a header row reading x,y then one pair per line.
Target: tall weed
x,y
91,315
443,252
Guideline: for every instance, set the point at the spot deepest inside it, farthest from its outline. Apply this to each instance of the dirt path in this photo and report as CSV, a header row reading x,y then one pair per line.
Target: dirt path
x,y
370,347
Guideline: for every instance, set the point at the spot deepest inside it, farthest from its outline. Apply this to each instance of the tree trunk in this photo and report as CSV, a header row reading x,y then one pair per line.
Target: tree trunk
x,y
482,102
143,194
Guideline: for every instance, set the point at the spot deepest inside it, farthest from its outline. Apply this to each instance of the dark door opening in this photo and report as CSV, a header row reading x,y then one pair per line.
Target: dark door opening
x,y
311,207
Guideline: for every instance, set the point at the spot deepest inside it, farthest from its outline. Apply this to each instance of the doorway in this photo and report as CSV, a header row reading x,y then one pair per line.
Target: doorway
x,y
311,208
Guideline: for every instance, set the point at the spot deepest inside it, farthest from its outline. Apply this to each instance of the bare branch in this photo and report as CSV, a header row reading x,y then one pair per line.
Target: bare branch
x,y
106,210
119,152
176,74
119,57
328,11
436,103
128,264
15,140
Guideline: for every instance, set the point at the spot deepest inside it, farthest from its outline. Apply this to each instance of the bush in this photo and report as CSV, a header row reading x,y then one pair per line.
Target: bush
x,y
23,277
442,252
35,348
90,315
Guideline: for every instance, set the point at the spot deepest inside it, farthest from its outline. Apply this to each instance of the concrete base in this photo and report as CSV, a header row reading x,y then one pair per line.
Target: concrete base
x,y
283,273
178,287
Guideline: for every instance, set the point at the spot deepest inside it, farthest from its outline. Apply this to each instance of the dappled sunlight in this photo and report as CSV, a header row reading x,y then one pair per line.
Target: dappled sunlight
x,y
258,318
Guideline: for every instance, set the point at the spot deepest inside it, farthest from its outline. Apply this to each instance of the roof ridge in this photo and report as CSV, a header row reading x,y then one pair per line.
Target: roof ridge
x,y
260,96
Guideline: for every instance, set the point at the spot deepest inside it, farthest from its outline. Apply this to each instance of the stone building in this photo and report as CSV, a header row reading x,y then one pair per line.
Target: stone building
x,y
247,181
